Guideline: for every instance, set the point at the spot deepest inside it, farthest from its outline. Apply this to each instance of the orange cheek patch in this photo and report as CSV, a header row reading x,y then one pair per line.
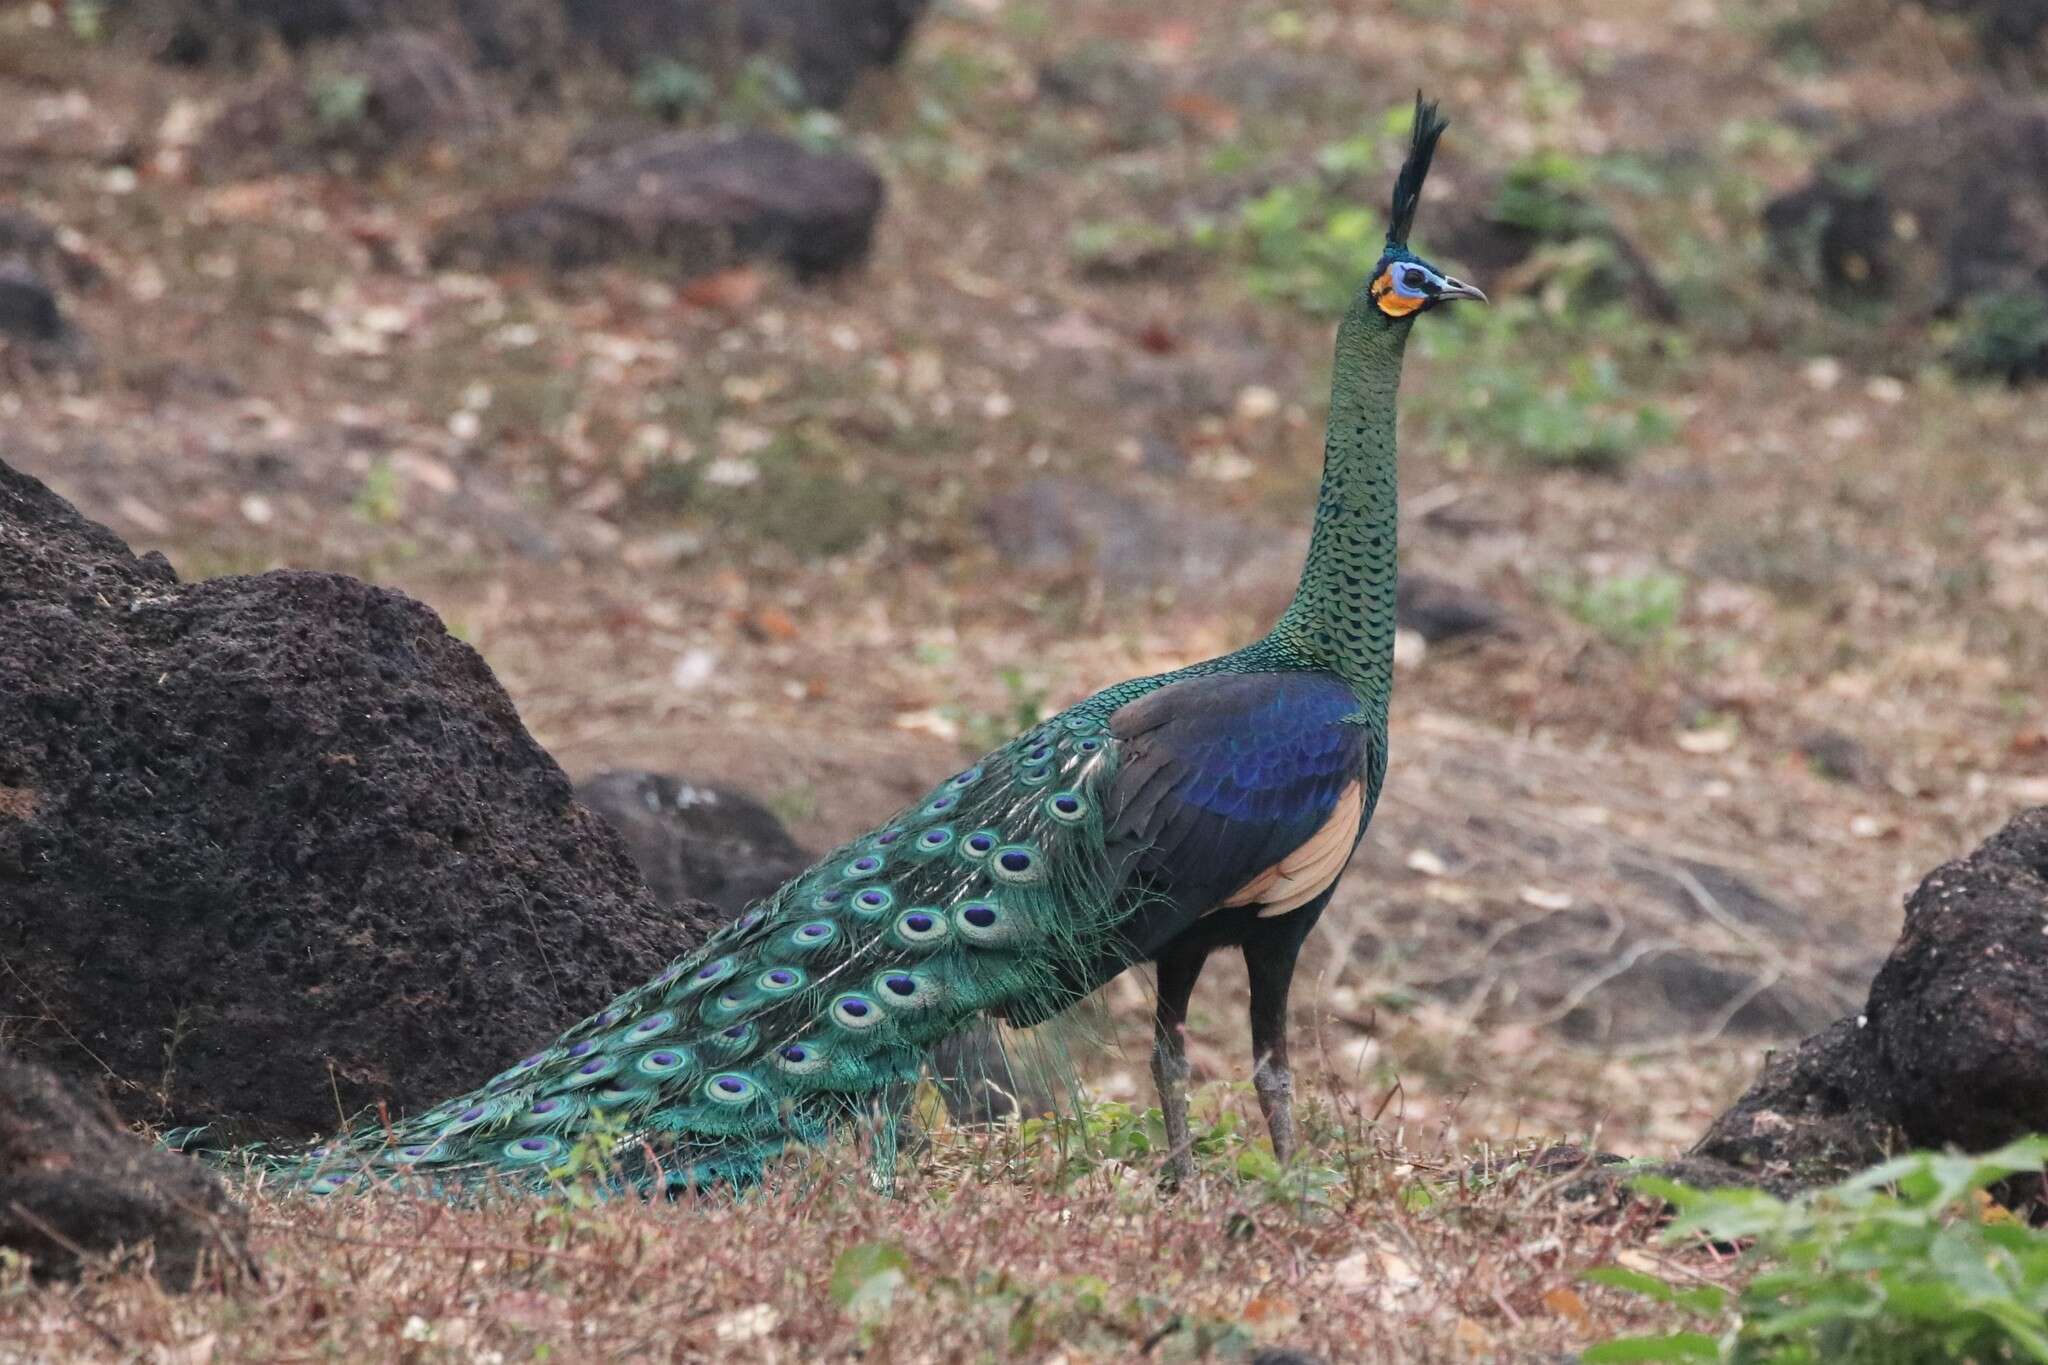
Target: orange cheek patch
x,y
1392,304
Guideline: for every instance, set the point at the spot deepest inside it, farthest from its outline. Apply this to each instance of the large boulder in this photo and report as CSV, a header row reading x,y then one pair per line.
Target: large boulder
x,y
690,204
1951,1049
1958,1016
275,849
1941,214
73,1185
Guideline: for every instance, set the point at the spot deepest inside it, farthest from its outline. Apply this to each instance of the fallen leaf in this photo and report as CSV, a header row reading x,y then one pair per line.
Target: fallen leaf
x,y
728,291
1205,112
746,1324
1566,1303
772,623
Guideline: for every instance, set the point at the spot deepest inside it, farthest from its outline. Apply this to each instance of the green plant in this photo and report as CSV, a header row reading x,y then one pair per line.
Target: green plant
x,y
1120,247
671,89
379,499
339,100
1635,611
1906,1264
2002,336
1024,707
87,20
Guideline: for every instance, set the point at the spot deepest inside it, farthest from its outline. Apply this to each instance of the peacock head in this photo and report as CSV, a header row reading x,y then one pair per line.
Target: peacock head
x,y
1403,285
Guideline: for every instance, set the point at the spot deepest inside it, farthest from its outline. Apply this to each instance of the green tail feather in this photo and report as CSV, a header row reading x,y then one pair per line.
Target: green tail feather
x,y
810,1007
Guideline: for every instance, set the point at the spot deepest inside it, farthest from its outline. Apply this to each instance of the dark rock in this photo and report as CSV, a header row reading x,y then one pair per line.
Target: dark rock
x,y
522,35
1959,1012
195,31
1703,890
28,307
28,240
1680,990
32,322
1286,1355
826,44
1439,610
1926,214
2006,26
275,849
1837,756
71,1182
1814,1115
369,102
691,203
696,843
1951,1049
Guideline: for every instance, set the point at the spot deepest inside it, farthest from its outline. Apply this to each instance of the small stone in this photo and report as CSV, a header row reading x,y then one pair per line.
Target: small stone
x,y
1427,863
1256,402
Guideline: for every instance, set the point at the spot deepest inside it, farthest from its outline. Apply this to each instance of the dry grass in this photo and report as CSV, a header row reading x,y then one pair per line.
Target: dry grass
x,y
1004,1248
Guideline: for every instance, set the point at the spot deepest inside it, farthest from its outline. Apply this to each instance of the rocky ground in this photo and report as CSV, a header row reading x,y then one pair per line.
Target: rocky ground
x,y
796,431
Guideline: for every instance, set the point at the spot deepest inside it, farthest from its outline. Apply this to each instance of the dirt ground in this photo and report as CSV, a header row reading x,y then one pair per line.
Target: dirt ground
x,y
1767,667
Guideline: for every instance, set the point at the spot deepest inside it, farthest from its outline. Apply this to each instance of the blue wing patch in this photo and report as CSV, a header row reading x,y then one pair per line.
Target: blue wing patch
x,y
1222,776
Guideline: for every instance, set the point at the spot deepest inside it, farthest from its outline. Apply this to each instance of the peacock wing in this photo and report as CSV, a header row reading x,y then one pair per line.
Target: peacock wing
x,y
1235,788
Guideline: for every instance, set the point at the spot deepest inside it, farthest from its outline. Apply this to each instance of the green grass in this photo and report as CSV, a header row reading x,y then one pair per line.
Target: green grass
x,y
1634,611
1537,382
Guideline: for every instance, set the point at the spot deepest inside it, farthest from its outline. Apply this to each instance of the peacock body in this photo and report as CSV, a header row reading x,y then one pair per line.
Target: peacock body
x,y
1157,820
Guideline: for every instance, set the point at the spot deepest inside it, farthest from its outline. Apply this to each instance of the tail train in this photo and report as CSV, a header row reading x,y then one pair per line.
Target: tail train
x,y
997,893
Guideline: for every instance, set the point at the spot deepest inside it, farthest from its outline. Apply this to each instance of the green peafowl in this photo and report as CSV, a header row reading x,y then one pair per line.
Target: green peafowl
x,y
1158,820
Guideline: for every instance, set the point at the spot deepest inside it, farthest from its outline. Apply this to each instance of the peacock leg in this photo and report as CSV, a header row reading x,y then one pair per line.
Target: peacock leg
x,y
1270,963
1178,971
885,1122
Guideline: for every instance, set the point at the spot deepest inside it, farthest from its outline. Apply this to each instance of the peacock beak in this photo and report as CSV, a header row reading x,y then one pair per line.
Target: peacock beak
x,y
1458,289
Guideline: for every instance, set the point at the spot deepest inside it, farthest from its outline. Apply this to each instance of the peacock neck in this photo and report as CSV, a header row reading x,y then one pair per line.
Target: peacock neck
x,y
1342,616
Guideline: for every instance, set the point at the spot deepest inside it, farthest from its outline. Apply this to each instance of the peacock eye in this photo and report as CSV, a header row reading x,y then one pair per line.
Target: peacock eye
x,y
1412,278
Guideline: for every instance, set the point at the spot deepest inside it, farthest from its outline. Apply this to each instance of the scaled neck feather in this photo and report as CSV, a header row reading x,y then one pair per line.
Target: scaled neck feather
x,y
1342,615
